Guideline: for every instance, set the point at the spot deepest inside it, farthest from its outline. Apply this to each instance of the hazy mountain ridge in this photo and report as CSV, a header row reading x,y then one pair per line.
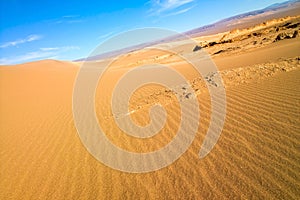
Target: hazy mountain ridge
x,y
277,10
226,24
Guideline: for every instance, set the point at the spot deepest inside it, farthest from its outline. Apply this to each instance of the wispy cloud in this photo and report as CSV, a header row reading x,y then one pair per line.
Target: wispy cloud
x,y
71,16
49,48
26,57
17,42
179,11
169,7
60,49
106,35
69,19
42,53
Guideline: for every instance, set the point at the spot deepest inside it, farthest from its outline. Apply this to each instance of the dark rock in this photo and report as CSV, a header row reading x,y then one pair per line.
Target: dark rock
x,y
212,44
295,34
226,41
256,34
287,24
293,25
282,36
220,51
197,48
188,95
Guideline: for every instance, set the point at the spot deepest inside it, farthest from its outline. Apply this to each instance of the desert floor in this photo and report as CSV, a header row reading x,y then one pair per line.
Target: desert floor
x,y
256,157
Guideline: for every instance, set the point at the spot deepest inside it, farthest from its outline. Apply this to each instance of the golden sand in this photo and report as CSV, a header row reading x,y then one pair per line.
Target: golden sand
x,y
256,157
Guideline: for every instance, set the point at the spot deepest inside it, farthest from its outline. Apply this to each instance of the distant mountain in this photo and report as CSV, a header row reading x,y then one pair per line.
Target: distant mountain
x,y
281,5
278,10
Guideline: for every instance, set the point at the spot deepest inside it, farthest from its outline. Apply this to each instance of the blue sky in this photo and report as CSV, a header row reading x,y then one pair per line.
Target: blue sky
x,y
71,29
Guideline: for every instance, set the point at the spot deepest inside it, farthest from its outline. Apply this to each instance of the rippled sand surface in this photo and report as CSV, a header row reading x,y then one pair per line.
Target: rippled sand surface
x,y
256,157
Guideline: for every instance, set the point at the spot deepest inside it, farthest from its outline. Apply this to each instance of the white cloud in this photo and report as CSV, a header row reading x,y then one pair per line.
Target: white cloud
x,y
26,57
29,38
159,7
70,16
106,35
42,53
60,49
179,11
49,48
69,19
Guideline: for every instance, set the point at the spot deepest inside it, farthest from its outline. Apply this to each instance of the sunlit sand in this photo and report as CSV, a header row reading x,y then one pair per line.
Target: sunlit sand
x,y
256,157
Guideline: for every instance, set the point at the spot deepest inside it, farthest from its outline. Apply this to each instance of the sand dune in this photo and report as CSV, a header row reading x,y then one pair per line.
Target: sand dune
x,y
256,157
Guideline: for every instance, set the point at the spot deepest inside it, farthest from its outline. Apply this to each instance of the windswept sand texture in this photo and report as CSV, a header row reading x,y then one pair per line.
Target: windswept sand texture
x,y
256,157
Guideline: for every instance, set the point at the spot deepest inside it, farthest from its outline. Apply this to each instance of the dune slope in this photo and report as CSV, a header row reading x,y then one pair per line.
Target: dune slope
x,y
256,157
